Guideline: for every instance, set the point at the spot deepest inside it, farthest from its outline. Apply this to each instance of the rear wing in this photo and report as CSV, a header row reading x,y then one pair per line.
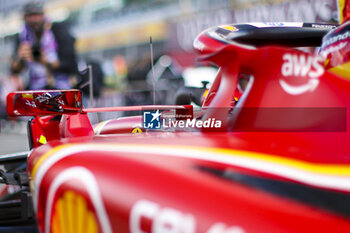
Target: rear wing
x,y
287,34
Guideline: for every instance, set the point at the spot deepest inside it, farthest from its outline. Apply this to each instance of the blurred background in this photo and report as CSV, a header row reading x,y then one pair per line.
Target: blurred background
x,y
115,34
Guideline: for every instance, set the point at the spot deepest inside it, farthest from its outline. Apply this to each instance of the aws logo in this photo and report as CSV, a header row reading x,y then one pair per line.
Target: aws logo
x,y
296,66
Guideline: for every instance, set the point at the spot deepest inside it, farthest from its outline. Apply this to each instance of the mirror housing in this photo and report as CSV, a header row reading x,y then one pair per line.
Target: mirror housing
x,y
44,102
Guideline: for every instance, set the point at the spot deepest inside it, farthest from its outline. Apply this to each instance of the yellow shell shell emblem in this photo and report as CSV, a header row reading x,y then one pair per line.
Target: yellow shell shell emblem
x,y
136,131
72,215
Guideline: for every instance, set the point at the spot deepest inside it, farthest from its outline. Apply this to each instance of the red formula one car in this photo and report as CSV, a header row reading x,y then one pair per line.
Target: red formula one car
x,y
278,160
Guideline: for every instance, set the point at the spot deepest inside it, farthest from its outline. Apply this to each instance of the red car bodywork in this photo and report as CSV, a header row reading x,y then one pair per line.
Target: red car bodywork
x,y
250,178
149,184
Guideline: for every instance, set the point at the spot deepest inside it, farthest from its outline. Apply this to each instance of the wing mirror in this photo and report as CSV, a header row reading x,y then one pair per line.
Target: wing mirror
x,y
44,102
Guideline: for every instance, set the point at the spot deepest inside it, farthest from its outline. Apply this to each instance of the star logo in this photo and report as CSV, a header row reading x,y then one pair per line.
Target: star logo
x,y
155,115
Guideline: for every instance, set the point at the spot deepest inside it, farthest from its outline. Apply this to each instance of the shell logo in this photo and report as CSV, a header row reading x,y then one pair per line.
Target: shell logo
x,y
136,130
72,212
72,215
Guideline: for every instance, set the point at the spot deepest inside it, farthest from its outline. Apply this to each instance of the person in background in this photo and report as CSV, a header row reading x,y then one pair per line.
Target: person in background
x,y
335,46
45,49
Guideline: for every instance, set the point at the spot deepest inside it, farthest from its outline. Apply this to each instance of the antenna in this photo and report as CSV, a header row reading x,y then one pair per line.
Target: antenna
x,y
153,76
91,88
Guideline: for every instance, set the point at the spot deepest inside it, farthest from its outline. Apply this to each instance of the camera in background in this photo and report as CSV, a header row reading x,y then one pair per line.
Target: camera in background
x,y
36,51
